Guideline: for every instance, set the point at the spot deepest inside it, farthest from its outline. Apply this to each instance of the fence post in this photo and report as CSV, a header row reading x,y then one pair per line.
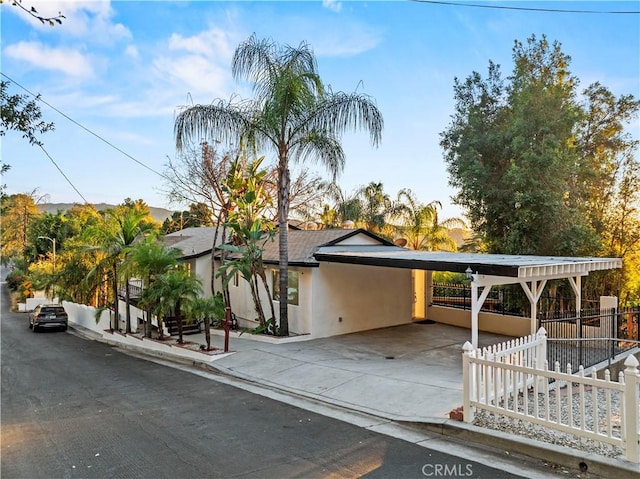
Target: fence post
x,y
467,387
631,380
541,355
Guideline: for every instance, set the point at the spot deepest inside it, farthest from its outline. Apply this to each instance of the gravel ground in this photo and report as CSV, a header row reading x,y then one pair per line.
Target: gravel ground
x,y
593,410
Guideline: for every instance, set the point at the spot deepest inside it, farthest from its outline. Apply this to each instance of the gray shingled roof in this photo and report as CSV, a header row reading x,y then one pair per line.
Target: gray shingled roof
x,y
304,243
193,242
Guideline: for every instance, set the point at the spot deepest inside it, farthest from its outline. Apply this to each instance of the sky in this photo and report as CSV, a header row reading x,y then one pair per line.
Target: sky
x,y
115,74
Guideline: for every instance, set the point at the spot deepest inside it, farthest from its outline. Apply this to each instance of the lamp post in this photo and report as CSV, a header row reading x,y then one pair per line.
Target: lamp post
x,y
53,241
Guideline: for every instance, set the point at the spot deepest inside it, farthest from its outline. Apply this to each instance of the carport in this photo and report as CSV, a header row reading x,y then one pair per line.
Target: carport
x,y
483,270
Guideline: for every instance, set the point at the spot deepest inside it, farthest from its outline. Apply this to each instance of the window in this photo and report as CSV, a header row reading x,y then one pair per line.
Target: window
x,y
292,290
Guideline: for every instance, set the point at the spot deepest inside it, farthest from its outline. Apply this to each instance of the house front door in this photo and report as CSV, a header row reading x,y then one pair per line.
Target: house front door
x,y
418,280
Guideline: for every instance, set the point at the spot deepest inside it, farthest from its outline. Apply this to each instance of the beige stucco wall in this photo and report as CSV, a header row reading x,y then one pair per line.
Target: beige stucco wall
x,y
489,322
365,297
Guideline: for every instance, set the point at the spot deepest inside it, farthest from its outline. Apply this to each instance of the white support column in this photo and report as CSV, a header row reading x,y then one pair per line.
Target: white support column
x,y
534,293
576,284
476,305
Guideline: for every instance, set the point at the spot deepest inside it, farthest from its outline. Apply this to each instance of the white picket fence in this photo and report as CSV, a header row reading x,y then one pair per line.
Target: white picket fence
x,y
512,379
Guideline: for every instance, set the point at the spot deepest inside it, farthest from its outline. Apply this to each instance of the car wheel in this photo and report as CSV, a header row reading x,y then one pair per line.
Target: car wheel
x,y
64,328
34,329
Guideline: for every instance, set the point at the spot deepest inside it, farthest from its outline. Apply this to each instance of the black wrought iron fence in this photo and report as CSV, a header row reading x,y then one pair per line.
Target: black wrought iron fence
x,y
590,336
508,300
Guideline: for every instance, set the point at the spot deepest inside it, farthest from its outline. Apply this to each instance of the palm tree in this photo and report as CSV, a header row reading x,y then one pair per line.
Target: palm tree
x,y
121,228
206,309
292,113
148,258
420,226
172,291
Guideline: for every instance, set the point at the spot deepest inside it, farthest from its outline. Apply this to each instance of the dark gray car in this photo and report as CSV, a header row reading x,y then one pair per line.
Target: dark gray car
x,y
47,316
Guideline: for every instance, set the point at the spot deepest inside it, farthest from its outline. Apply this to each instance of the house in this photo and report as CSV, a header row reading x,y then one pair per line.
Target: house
x,y
325,299
348,280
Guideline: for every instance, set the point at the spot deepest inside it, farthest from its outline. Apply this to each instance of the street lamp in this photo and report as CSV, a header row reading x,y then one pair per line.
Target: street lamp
x,y
53,241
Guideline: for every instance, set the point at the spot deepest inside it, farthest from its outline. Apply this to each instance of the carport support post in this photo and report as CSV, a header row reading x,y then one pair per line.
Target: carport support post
x,y
475,310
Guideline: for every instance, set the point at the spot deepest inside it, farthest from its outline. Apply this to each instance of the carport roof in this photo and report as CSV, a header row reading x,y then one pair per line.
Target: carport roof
x,y
514,266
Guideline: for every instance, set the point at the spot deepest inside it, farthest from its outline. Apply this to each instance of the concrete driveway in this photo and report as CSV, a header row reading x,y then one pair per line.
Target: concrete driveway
x,y
410,373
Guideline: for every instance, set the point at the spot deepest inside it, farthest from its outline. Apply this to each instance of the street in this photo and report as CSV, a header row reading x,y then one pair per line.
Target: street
x,y
75,408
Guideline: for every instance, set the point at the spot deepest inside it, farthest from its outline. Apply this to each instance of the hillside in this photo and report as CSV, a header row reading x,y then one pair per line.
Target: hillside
x,y
159,214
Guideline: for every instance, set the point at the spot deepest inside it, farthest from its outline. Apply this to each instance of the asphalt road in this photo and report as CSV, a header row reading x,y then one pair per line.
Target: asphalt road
x,y
74,408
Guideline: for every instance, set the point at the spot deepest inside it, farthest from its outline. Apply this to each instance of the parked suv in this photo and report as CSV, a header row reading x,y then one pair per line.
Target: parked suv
x,y
47,316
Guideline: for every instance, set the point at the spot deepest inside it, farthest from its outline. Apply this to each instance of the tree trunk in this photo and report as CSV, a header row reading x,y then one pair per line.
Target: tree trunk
x,y
207,332
179,321
283,224
127,299
116,313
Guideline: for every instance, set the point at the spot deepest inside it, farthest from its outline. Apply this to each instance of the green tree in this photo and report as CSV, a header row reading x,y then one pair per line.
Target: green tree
x,y
509,151
419,225
291,113
148,258
18,212
206,310
114,236
246,187
172,291
538,169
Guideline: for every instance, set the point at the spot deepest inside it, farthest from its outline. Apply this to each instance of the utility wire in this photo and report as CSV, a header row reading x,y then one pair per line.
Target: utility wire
x,y
529,9
62,173
81,126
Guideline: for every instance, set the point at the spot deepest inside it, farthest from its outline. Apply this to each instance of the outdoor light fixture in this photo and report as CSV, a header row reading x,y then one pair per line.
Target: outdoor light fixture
x,y
469,272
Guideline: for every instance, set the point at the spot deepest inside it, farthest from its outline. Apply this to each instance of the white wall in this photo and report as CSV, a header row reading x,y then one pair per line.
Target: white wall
x,y
365,297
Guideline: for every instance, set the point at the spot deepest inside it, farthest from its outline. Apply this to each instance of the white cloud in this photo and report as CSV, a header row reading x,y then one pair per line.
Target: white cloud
x,y
131,51
66,60
90,18
332,5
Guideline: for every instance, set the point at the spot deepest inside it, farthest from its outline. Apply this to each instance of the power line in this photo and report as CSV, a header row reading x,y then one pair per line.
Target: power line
x,y
62,173
82,126
529,9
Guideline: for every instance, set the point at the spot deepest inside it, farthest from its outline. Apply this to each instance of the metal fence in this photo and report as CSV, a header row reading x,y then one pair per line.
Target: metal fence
x,y
507,300
591,336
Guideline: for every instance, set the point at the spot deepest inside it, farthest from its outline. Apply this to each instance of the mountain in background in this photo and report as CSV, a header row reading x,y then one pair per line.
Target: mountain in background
x,y
159,214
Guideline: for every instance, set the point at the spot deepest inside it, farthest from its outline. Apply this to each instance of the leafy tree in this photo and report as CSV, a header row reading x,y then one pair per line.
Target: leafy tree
x,y
199,214
196,176
172,291
19,113
114,236
18,212
246,188
292,113
538,170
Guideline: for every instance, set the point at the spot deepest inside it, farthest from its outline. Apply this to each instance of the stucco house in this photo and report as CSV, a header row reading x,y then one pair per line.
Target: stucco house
x,y
325,299
348,280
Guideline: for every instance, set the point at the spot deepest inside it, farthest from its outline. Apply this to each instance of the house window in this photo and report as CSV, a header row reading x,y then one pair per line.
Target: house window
x,y
292,290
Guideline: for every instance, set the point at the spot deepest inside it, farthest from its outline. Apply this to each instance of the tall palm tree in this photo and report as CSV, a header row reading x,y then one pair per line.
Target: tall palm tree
x,y
172,291
148,258
121,228
292,113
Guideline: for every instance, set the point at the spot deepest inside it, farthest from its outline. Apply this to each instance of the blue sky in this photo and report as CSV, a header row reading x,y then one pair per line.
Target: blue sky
x,y
122,69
